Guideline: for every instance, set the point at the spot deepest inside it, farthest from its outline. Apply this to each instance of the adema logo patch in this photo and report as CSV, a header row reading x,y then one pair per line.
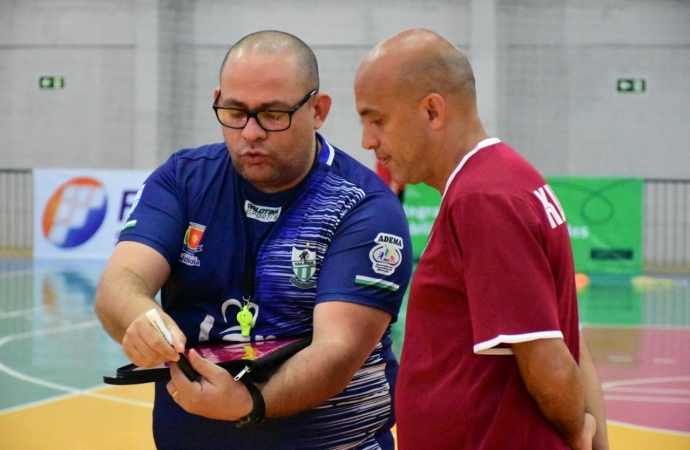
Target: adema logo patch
x,y
74,212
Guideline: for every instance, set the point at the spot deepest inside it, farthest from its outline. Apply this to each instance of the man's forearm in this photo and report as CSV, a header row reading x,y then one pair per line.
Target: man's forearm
x,y
594,396
560,398
345,334
121,297
306,380
553,379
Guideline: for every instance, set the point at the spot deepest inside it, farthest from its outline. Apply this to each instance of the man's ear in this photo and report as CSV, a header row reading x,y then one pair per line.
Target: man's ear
x,y
433,107
215,92
322,105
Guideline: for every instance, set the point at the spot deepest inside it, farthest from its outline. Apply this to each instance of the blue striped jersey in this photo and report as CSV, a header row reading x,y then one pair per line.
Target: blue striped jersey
x,y
340,235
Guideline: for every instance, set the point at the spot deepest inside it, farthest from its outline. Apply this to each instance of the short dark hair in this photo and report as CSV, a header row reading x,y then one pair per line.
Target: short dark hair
x,y
273,41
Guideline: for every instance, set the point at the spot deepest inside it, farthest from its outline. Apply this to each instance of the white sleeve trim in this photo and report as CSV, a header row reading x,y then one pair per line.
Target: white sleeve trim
x,y
487,347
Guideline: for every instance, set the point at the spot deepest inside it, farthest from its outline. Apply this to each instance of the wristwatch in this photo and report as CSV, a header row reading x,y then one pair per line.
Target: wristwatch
x,y
258,413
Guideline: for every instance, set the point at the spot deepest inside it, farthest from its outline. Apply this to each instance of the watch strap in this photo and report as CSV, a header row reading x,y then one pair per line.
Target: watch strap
x,y
258,413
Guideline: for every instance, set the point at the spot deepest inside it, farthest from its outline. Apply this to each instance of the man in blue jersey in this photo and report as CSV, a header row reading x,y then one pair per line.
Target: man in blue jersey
x,y
279,224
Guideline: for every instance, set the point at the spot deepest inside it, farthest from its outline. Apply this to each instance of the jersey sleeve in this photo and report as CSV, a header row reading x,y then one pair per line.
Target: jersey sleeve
x,y
157,218
510,286
369,260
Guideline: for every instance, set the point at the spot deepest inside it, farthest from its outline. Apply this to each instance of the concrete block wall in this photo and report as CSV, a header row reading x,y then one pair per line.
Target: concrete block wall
x,y
139,75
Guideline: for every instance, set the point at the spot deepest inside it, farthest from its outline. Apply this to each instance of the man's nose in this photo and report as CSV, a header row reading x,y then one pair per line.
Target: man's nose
x,y
369,139
252,131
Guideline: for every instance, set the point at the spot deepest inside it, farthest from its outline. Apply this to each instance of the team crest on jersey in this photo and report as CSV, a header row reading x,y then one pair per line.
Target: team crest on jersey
x,y
303,265
386,255
192,244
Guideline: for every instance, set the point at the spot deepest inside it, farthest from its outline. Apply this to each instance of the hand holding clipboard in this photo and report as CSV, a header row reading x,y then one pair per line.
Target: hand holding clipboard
x,y
250,361
157,321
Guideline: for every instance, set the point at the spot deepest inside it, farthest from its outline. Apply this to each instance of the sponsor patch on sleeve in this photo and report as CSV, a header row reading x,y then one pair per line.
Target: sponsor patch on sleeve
x,y
386,255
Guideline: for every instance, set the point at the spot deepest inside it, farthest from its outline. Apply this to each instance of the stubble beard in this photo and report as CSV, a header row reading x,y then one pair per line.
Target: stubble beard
x,y
271,175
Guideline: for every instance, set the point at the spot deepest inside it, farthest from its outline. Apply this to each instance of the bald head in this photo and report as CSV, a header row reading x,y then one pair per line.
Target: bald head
x,y
273,42
421,62
415,95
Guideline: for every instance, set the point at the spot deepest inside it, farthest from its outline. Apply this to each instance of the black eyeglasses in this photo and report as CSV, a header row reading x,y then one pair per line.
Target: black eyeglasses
x,y
269,120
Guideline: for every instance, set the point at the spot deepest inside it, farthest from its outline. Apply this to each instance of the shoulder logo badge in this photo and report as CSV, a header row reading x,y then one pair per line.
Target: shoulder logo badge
x,y
303,265
386,255
192,244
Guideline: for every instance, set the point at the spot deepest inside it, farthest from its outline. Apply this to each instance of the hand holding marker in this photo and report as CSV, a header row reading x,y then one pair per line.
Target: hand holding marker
x,y
157,321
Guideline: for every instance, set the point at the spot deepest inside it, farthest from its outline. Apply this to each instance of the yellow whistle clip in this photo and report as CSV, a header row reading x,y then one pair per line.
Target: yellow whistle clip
x,y
244,317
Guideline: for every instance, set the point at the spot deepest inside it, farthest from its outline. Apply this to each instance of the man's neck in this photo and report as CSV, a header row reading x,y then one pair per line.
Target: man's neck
x,y
452,153
316,149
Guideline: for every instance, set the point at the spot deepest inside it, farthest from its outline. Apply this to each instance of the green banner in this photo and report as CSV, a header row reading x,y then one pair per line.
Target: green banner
x,y
421,204
604,217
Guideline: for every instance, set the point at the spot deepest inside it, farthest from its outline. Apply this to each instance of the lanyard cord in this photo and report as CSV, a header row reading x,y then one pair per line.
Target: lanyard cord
x,y
250,250
245,318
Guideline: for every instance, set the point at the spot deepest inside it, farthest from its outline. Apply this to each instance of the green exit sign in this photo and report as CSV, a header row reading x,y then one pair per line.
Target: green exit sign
x,y
51,82
631,85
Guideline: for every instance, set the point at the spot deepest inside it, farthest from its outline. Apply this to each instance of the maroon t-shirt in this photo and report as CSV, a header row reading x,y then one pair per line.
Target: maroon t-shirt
x,y
498,269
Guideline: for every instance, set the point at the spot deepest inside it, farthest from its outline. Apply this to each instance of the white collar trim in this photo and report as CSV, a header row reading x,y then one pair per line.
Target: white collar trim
x,y
331,153
483,144
327,153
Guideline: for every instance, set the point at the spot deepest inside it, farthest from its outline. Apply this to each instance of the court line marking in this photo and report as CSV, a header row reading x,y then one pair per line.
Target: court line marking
x,y
639,398
21,312
650,390
643,428
77,326
50,385
636,327
632,382
89,392
635,381
115,398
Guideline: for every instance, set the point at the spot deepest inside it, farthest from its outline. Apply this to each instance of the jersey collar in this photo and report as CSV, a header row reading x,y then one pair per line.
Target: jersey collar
x,y
483,144
327,151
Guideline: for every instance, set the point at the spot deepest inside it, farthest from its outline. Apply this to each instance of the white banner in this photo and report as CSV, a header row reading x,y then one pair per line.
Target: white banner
x,y
79,213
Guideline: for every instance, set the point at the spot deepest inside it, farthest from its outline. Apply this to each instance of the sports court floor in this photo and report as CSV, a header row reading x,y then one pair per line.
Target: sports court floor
x,y
53,354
